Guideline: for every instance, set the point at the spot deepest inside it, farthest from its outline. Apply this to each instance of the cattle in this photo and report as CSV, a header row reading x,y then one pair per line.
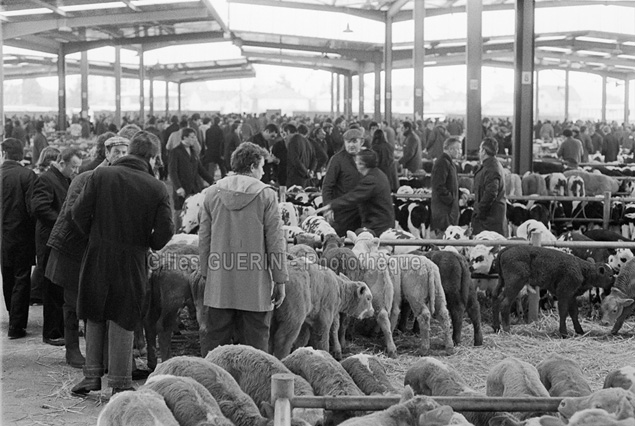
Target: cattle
x,y
556,184
620,303
533,184
409,411
517,213
188,400
595,183
332,241
481,257
252,369
310,312
234,403
563,275
190,214
534,421
326,376
413,217
369,374
317,225
622,378
619,259
455,233
288,214
290,232
142,408
365,242
628,220
466,208
562,377
612,400
513,184
396,234
526,229
548,166
514,378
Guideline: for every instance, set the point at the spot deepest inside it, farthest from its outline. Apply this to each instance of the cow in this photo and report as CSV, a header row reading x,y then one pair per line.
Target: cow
x,y
628,220
317,225
455,233
533,184
620,303
526,229
556,184
595,183
563,275
396,234
413,217
288,214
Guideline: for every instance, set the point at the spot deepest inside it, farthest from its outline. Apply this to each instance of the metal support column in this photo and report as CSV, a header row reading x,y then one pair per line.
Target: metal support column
x,y
566,94
378,90
332,94
522,149
83,65
388,71
627,103
61,89
537,95
360,75
337,95
474,48
603,98
349,94
179,99
2,135
118,86
418,56
345,96
167,101
151,112
142,77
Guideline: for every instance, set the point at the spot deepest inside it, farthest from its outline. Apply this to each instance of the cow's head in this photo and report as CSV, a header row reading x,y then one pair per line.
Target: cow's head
x,y
613,305
481,259
365,242
454,232
556,184
619,259
575,187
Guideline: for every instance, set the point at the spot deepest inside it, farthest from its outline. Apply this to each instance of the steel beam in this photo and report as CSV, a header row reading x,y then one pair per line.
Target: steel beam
x,y
522,150
212,11
311,60
349,94
83,64
375,15
604,98
221,76
151,94
474,53
61,89
131,6
179,98
39,44
388,72
395,8
49,6
418,55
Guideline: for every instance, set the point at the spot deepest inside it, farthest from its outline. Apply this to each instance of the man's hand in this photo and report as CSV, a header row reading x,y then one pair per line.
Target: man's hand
x,y
180,192
278,295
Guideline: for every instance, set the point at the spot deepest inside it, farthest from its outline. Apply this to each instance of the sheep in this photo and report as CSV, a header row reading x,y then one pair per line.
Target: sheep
x,y
612,400
622,378
326,376
515,378
599,417
534,421
139,408
369,374
562,377
252,369
303,250
188,400
235,404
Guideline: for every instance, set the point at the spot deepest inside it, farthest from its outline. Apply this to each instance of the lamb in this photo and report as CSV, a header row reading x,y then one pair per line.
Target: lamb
x,y
612,400
622,378
140,408
619,305
326,376
563,275
188,400
562,377
303,250
369,374
235,404
252,369
599,417
515,378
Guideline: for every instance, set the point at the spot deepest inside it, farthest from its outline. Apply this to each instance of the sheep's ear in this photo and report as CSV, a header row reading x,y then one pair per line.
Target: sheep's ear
x,y
407,394
267,410
351,236
343,277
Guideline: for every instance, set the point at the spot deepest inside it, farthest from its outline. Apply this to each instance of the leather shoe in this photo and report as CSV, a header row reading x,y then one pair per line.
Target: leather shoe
x,y
54,342
87,385
138,374
16,333
117,390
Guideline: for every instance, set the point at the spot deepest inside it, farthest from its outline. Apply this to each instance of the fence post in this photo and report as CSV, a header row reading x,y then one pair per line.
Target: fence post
x,y
534,297
607,210
281,395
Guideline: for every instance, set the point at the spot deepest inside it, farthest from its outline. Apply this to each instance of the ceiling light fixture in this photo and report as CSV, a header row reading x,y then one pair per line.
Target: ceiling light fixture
x,y
348,28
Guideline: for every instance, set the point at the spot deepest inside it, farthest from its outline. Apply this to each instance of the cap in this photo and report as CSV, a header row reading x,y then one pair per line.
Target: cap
x,y
353,134
116,140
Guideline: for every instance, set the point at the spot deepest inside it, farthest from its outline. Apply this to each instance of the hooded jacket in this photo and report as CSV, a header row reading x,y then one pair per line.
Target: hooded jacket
x,y
241,244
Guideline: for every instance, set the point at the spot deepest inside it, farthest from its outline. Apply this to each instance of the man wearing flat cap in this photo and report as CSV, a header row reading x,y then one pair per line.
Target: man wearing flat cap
x,y
490,208
116,147
341,177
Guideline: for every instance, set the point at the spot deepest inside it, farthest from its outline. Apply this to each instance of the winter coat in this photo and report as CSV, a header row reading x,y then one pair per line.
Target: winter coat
x,y
241,244
214,145
231,143
435,142
299,159
445,194
39,143
124,210
489,198
340,178
386,162
49,193
373,198
571,151
186,171
18,226
411,159
610,147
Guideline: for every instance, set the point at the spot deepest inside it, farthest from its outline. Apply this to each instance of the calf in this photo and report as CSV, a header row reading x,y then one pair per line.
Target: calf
x,y
628,221
595,183
142,408
188,400
514,378
396,234
288,214
562,377
623,378
563,275
533,183
369,374
619,304
413,217
317,225
252,369
611,400
526,229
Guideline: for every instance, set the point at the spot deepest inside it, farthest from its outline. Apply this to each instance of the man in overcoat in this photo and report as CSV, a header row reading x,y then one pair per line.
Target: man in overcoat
x,y
445,188
125,211
490,207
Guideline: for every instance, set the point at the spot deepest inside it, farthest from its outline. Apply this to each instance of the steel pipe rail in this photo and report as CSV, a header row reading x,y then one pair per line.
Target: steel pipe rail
x,y
471,243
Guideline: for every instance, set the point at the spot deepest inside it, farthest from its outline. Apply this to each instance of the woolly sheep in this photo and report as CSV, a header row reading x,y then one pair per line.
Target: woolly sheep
x,y
612,400
562,377
139,408
369,374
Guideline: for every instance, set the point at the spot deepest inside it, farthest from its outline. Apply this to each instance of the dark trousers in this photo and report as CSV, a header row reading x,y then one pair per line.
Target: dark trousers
x,y
53,301
16,286
211,168
36,283
225,326
70,308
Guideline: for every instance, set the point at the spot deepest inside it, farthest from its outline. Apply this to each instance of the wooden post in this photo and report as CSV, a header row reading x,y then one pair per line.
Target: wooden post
x,y
607,210
534,297
281,395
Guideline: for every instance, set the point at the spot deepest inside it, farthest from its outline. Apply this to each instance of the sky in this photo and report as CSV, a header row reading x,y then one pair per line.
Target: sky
x,y
436,79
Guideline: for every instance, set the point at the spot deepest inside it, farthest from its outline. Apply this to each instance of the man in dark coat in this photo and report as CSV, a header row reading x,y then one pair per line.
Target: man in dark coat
x,y
49,193
490,208
125,211
265,140
385,157
214,149
299,158
445,188
18,236
434,144
411,159
341,177
611,144
39,142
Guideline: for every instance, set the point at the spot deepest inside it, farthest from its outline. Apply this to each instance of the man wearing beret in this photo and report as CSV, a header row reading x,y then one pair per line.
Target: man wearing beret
x,y
341,177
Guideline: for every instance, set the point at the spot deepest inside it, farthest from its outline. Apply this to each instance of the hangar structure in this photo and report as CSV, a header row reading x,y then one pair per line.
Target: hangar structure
x,y
63,27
